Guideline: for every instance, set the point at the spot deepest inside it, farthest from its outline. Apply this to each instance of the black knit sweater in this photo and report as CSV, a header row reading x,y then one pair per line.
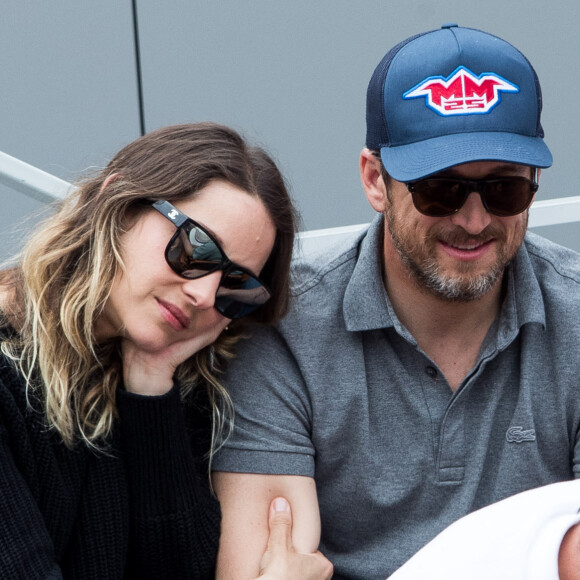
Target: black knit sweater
x,y
144,510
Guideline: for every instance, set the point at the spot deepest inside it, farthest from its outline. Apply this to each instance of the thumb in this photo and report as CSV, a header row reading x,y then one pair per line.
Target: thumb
x,y
280,522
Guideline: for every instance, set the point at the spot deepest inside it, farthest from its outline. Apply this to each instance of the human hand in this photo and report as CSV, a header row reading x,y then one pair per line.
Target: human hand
x,y
281,561
150,371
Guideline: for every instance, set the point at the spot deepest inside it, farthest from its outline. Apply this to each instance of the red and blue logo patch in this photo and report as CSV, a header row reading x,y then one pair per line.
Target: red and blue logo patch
x,y
462,92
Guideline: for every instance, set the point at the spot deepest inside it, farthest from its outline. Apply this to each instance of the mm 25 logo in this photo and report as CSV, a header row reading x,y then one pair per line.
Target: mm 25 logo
x,y
462,92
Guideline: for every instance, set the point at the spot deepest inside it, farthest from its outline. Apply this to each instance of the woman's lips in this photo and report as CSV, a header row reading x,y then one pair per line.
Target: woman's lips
x,y
173,315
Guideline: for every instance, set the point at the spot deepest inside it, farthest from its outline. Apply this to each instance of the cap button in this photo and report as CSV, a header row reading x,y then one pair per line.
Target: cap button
x,y
450,25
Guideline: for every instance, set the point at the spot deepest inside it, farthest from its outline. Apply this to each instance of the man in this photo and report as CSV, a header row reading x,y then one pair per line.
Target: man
x,y
430,368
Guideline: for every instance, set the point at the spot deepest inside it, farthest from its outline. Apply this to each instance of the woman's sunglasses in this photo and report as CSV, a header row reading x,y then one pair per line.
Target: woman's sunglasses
x,y
444,196
193,252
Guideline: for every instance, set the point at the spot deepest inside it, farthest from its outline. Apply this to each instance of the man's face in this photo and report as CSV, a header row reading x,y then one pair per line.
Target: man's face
x,y
462,256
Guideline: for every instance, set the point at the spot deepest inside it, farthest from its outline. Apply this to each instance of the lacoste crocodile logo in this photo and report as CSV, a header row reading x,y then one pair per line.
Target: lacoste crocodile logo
x,y
519,435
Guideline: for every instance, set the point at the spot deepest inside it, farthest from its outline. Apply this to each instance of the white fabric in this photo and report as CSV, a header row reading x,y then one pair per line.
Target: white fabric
x,y
516,539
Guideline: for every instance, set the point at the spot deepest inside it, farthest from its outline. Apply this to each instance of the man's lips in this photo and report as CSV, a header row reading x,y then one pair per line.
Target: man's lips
x,y
466,250
173,314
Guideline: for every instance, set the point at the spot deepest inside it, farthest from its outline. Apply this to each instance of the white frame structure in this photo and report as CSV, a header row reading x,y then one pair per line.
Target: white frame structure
x,y
45,187
30,180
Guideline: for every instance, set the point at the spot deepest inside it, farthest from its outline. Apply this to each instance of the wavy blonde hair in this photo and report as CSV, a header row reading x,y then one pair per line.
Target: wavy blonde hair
x,y
67,269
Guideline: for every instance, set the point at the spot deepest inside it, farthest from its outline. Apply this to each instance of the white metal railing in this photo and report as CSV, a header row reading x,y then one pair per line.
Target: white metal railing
x,y
548,212
43,186
30,180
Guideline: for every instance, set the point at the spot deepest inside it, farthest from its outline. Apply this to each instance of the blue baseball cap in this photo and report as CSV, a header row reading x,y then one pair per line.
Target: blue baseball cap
x,y
453,96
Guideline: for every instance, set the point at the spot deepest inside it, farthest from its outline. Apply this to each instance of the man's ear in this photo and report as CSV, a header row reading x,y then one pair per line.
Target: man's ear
x,y
372,180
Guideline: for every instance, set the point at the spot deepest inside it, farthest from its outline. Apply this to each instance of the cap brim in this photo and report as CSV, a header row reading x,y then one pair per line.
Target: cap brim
x,y
417,160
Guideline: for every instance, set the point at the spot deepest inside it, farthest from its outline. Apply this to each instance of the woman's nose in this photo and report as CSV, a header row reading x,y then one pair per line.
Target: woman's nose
x,y
202,291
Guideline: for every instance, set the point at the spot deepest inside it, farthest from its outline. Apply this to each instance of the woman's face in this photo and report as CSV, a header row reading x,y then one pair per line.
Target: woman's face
x,y
151,305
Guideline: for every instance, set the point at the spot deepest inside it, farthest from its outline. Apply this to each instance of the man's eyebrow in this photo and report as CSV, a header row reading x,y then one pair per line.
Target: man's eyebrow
x,y
499,170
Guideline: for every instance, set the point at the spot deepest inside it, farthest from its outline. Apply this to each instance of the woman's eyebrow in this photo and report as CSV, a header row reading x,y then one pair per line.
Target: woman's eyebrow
x,y
211,231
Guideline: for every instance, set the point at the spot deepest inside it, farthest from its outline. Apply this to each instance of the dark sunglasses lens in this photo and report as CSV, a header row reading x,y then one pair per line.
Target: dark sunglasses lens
x,y
443,197
192,253
239,294
438,197
507,197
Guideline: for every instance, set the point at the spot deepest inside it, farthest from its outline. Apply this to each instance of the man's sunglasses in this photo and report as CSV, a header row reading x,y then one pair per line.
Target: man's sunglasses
x,y
444,196
193,252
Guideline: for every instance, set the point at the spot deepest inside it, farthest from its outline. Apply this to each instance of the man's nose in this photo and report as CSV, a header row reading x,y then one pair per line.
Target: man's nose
x,y
472,217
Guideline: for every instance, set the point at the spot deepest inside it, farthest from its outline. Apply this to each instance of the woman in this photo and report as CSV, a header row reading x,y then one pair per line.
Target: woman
x,y
115,324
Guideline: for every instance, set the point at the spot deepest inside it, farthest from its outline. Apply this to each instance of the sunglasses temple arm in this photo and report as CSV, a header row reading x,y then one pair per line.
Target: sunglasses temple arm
x,y
170,212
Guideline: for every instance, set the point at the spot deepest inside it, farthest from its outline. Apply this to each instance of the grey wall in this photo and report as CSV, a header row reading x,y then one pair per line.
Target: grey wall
x,y
290,75
68,96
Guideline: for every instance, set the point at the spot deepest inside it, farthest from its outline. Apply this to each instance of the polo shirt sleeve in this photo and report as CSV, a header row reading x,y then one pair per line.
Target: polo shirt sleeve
x,y
273,414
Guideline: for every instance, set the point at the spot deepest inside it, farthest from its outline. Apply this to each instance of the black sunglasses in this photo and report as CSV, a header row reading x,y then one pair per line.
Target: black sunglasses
x,y
444,196
193,252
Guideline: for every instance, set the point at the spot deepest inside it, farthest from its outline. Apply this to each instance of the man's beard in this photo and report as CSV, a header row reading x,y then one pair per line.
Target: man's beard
x,y
421,259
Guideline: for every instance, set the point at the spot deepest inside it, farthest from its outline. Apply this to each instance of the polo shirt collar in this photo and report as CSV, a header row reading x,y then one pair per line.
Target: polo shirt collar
x,y
523,302
365,300
366,305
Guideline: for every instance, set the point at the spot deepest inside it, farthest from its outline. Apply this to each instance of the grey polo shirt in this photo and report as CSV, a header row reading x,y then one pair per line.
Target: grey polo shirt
x,y
341,392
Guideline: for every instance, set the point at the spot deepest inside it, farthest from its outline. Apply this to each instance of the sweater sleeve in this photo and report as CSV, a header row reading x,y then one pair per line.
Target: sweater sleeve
x,y
26,548
174,517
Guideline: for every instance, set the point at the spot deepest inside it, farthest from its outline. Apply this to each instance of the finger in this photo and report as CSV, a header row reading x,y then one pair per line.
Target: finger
x,y
280,522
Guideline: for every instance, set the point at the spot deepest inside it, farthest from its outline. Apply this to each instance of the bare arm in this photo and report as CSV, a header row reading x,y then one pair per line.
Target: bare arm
x,y
245,501
281,561
569,556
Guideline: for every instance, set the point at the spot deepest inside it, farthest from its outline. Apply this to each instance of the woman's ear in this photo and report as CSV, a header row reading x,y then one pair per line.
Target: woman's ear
x,y
108,180
372,180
